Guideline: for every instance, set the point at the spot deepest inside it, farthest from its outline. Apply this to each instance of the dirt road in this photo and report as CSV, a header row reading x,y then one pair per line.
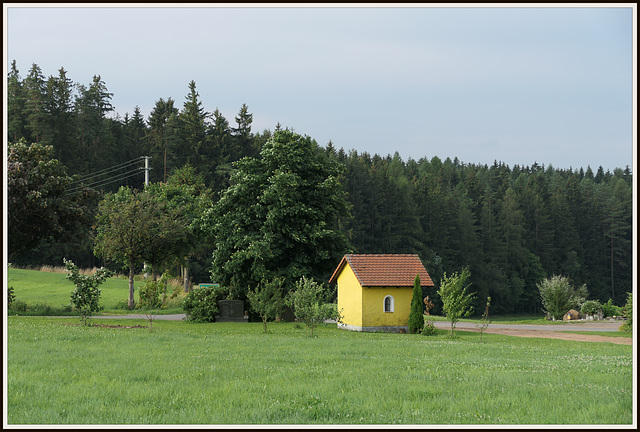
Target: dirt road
x,y
552,331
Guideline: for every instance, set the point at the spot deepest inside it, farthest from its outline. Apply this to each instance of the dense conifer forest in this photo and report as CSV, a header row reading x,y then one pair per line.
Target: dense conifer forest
x,y
511,226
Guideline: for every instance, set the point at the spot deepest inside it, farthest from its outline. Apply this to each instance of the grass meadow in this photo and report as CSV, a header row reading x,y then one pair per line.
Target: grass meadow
x,y
62,373
52,288
59,372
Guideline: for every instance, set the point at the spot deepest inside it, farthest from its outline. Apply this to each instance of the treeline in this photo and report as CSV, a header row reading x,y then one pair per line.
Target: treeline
x,y
89,137
510,226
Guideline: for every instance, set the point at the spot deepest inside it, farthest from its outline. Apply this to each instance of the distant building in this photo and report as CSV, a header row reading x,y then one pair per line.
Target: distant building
x,y
375,291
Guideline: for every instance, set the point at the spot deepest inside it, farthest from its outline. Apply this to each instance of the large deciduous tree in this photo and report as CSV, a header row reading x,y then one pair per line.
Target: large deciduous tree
x,y
133,227
39,206
281,216
185,194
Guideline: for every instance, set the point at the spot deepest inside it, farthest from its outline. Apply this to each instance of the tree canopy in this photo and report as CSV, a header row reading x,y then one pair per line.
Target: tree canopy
x,y
281,216
511,226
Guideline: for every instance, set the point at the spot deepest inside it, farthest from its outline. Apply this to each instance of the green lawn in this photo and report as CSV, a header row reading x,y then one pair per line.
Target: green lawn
x,y
39,287
232,373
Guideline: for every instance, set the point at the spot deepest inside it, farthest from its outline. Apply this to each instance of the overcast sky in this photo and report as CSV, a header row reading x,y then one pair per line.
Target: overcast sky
x,y
517,85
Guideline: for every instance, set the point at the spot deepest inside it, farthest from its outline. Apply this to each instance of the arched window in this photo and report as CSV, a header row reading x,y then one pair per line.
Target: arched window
x,y
388,304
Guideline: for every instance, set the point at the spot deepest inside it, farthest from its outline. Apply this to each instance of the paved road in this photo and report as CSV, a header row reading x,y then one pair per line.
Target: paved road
x,y
607,326
175,317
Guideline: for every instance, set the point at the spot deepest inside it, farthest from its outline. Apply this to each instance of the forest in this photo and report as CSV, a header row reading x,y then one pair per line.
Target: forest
x,y
510,226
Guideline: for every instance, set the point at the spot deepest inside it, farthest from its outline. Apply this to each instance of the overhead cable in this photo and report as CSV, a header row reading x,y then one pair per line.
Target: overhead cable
x,y
107,170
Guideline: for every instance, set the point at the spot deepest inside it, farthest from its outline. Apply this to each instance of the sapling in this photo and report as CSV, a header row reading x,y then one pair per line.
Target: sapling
x,y
308,303
267,299
85,298
456,301
484,323
429,328
150,297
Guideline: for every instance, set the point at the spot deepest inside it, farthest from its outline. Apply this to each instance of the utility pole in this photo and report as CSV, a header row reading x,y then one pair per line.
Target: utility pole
x,y
146,169
146,183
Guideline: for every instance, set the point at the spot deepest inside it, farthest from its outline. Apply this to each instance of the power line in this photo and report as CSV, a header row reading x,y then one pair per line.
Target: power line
x,y
103,182
107,170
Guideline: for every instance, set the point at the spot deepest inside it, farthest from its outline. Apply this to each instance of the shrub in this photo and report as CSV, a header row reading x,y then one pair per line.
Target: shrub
x,y
611,310
149,294
308,301
559,296
10,296
627,312
18,306
201,304
429,328
267,299
85,297
591,307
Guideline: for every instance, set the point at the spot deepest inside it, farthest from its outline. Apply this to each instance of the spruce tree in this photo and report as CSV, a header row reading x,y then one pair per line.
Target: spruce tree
x,y
416,320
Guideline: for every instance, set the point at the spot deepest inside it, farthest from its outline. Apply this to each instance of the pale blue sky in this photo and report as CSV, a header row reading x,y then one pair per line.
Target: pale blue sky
x,y
518,85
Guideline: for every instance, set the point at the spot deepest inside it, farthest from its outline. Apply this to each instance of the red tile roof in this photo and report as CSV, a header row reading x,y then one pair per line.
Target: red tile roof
x,y
384,270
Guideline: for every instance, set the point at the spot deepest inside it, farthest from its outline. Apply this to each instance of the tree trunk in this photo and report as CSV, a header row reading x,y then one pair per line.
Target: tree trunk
x,y
131,275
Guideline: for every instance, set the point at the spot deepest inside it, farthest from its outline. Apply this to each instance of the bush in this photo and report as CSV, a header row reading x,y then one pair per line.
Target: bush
x,y
18,306
10,296
591,307
627,312
85,298
201,304
149,294
611,310
559,296
429,328
308,301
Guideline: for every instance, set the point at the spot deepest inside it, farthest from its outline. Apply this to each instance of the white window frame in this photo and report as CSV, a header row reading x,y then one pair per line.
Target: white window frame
x,y
391,304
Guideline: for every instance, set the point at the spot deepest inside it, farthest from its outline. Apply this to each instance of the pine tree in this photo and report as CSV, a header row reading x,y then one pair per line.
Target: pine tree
x,y
416,319
15,105
34,108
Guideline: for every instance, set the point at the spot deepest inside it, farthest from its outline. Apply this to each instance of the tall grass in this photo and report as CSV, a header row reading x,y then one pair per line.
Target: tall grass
x,y
233,373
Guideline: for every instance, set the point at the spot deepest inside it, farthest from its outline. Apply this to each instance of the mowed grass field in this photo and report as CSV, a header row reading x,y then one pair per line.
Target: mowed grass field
x,y
59,372
52,287
62,373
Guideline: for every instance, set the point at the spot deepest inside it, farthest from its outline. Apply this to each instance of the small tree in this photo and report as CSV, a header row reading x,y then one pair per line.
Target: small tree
x,y
456,300
627,312
429,328
559,296
416,319
86,297
10,293
150,297
267,299
308,301
484,323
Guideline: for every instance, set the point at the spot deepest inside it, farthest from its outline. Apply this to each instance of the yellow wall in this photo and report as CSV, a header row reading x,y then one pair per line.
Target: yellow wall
x,y
349,297
373,308
364,307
